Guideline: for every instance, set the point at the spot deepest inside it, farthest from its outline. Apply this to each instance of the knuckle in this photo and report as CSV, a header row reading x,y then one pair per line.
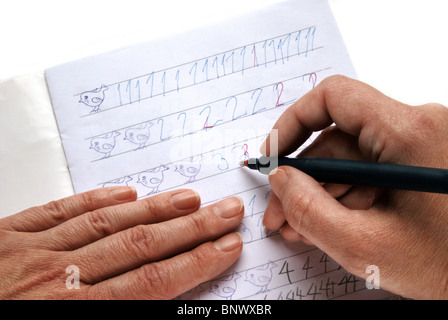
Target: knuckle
x,y
155,280
89,199
336,83
298,206
57,211
99,222
154,205
202,224
198,223
142,240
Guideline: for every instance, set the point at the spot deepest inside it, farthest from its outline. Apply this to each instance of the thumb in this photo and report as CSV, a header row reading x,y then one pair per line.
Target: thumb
x,y
312,211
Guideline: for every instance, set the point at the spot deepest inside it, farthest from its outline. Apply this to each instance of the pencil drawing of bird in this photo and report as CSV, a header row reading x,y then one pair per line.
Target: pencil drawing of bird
x,y
225,287
139,135
104,144
261,276
152,179
189,169
117,182
93,98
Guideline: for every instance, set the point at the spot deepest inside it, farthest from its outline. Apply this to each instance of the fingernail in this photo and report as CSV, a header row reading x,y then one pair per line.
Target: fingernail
x,y
123,193
185,200
229,242
228,208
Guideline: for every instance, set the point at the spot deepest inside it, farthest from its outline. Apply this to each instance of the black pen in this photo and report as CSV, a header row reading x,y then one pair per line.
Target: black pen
x,y
381,175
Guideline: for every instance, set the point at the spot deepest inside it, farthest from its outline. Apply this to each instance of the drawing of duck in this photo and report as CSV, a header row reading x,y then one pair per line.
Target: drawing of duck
x,y
189,169
139,135
104,144
152,179
261,276
225,287
93,98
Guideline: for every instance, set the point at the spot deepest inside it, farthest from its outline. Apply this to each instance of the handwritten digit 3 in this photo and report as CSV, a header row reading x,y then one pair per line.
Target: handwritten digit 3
x,y
245,147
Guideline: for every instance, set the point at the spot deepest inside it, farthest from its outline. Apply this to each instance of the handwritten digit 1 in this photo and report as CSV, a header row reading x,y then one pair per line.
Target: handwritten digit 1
x,y
128,90
231,56
298,42
177,80
194,67
151,78
243,53
137,86
255,56
215,65
164,82
205,68
272,43
119,94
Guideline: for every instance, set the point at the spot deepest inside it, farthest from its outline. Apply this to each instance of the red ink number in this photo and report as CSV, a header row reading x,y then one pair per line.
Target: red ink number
x,y
313,79
278,104
245,148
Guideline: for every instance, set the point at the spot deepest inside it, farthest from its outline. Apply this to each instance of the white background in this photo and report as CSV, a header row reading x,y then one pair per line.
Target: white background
x,y
398,46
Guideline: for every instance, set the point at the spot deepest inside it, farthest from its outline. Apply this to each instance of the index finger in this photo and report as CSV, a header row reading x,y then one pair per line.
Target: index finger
x,y
355,107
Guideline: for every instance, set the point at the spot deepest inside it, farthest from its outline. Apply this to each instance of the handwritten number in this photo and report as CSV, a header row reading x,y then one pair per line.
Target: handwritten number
x,y
150,81
279,94
254,52
119,93
205,67
298,42
215,65
128,90
231,56
313,79
161,130
183,124
206,125
306,267
164,82
137,86
285,270
243,53
194,67
235,105
177,80
251,204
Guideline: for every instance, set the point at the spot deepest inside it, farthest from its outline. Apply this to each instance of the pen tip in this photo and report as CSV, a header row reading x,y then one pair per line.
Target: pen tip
x,y
243,163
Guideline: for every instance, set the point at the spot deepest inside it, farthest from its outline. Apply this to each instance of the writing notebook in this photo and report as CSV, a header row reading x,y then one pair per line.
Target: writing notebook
x,y
182,112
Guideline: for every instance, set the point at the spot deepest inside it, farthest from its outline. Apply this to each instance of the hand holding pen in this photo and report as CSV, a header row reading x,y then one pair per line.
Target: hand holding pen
x,y
403,233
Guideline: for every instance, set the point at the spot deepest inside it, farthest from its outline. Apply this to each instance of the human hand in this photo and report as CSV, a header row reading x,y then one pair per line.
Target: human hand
x,y
403,233
155,248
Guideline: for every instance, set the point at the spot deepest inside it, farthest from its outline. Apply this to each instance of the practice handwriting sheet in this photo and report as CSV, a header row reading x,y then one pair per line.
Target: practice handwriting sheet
x,y
182,112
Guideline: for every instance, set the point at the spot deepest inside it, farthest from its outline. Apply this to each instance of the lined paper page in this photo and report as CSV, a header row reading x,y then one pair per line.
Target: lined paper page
x,y
184,111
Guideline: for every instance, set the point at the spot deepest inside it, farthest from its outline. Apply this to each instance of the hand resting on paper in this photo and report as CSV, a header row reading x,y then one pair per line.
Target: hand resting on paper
x,y
120,248
403,233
